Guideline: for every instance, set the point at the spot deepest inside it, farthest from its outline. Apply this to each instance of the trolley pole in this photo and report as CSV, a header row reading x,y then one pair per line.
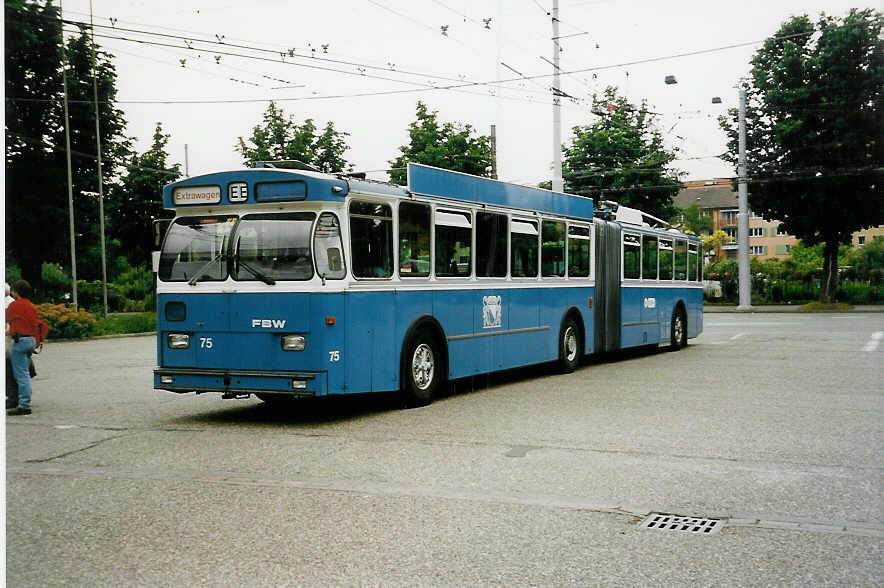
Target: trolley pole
x,y
557,183
743,215
100,174
493,152
67,140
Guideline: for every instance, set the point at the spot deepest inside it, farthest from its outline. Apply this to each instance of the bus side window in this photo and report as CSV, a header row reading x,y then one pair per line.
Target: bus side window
x,y
523,249
552,260
632,249
327,247
692,262
578,252
681,259
666,259
649,257
454,238
491,242
371,235
414,240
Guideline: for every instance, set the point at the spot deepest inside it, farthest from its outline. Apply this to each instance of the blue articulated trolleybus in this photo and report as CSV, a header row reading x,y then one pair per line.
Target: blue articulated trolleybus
x,y
290,282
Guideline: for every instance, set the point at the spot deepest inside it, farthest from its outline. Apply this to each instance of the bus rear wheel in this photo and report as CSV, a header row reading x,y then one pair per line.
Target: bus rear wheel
x,y
569,346
678,336
421,369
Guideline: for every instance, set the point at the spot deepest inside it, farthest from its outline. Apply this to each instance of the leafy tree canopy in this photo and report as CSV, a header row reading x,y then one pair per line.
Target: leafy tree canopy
x,y
622,158
693,220
137,201
447,145
281,137
813,119
37,223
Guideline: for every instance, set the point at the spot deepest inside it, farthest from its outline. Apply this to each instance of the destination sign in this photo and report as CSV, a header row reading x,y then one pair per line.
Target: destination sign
x,y
197,195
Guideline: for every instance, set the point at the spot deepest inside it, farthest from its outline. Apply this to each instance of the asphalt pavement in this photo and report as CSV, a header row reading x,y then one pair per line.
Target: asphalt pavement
x,y
770,423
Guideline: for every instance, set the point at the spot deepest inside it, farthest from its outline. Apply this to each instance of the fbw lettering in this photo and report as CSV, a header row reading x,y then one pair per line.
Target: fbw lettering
x,y
268,323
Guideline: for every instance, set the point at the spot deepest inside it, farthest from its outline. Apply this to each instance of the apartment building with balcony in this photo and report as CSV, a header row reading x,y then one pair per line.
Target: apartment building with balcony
x,y
718,200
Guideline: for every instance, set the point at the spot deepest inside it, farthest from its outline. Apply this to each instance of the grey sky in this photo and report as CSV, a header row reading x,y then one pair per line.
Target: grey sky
x,y
394,36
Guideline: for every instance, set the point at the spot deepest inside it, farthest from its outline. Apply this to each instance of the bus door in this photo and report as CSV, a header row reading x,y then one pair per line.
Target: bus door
x,y
607,285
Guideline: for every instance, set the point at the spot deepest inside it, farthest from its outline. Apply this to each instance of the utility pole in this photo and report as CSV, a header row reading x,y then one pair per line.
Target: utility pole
x,y
743,215
557,183
67,140
186,167
493,152
100,175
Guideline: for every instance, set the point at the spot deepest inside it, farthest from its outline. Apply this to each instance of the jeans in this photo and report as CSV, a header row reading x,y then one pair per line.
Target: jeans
x,y
18,355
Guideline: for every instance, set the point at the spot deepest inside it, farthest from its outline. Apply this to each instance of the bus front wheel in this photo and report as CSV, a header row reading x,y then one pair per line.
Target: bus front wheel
x,y
569,346
421,369
678,336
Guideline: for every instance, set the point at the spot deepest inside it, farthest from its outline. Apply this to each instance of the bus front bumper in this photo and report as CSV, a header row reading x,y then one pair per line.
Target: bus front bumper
x,y
234,383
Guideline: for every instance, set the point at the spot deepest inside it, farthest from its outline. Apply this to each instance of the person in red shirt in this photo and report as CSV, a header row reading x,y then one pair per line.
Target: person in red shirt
x,y
22,325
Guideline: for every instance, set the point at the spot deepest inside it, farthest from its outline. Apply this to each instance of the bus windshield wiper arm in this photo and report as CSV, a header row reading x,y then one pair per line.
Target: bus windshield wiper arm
x,y
199,276
258,274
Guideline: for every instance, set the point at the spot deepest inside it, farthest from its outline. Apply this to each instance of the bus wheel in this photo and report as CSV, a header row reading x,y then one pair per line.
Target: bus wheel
x,y
569,346
678,336
421,370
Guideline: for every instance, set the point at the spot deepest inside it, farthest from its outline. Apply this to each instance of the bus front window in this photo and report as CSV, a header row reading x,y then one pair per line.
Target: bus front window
x,y
273,246
195,249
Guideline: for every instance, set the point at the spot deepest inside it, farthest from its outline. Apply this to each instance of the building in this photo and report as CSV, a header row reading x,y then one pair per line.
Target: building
x,y
718,200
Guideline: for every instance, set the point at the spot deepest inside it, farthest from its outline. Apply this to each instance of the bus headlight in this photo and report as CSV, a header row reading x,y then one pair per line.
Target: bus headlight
x,y
293,343
178,340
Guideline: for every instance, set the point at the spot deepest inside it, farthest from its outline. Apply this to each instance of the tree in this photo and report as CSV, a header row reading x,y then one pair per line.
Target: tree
x,y
138,200
813,117
621,157
37,223
450,146
694,221
280,137
713,243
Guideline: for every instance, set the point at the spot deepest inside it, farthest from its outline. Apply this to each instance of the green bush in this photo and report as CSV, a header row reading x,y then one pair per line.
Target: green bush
x,y
66,323
54,281
144,322
13,273
91,295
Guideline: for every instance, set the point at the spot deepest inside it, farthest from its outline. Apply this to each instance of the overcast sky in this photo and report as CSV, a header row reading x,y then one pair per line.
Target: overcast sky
x,y
382,56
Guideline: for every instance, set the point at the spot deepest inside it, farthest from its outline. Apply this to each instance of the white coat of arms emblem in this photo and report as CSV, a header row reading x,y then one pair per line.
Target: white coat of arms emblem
x,y
491,312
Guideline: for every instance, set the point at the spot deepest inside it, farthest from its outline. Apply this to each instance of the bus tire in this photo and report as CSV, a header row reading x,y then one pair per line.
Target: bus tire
x,y
569,345
678,329
422,366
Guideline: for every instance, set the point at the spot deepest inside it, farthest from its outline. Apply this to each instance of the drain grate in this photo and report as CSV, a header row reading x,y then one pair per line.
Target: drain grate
x,y
671,522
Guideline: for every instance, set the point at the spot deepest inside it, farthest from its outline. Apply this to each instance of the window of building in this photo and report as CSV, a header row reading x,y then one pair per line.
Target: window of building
x,y
371,239
758,250
578,251
454,239
552,253
728,216
666,259
523,249
861,240
491,243
756,231
731,232
649,257
632,249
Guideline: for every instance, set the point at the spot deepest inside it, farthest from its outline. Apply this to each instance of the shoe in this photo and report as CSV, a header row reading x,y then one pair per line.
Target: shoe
x,y
18,411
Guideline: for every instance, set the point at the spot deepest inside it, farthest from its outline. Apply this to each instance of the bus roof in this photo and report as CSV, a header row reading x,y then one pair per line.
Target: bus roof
x,y
269,185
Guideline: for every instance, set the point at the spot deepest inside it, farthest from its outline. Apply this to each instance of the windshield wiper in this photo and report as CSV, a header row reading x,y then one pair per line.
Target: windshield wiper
x,y
258,274
199,275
